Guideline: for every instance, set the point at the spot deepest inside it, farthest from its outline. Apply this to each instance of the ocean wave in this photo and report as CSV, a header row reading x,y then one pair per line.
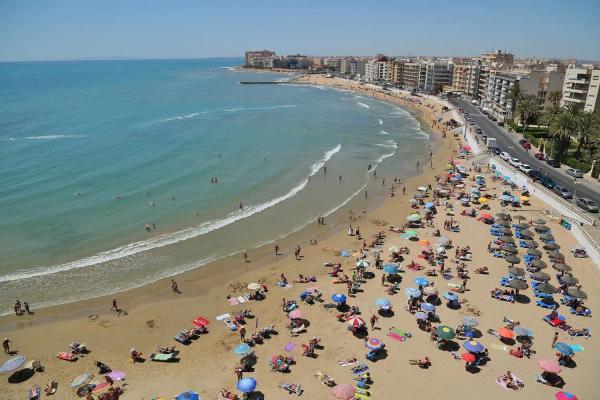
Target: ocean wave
x,y
192,115
383,157
363,105
52,137
384,132
389,144
171,238
379,121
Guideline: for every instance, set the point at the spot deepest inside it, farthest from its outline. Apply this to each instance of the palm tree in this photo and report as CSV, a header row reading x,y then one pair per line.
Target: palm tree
x,y
528,107
515,95
562,130
555,97
587,126
551,112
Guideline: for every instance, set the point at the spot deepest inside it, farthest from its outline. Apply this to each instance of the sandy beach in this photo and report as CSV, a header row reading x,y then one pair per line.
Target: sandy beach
x,y
154,314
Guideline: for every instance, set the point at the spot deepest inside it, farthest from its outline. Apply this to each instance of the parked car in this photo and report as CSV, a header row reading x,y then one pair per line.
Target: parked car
x,y
574,172
534,174
587,204
526,145
525,168
539,156
553,163
547,182
505,156
496,151
563,192
500,123
514,162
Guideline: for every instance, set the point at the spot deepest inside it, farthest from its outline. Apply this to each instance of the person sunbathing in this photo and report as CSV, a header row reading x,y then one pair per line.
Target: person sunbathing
x,y
51,387
482,270
226,394
582,331
424,362
347,361
518,352
166,349
509,381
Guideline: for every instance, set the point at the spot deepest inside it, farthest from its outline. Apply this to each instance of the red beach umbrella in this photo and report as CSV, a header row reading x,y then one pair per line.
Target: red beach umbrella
x,y
469,357
356,321
343,392
296,314
506,333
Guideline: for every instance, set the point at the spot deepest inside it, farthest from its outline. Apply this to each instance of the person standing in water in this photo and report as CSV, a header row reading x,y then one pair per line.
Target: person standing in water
x,y
241,205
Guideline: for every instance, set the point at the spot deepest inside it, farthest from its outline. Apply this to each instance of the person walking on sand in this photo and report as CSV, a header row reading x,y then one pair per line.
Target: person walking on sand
x,y
245,255
374,319
6,344
239,372
114,304
174,287
276,249
243,334
26,305
554,339
383,280
404,190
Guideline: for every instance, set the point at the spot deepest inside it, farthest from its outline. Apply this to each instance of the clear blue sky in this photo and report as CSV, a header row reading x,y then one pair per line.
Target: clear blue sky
x,y
75,29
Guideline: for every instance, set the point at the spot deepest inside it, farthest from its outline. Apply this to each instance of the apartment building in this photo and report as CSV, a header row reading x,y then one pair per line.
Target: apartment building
x,y
497,57
411,74
581,86
378,70
397,72
357,67
498,95
259,58
465,78
540,83
427,76
345,65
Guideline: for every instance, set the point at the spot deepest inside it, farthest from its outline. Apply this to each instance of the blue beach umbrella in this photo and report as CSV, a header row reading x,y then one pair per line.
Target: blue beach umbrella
x,y
12,364
520,331
363,263
506,197
429,205
412,292
242,349
420,315
470,334
563,348
339,298
450,296
473,346
427,307
79,380
246,385
390,269
345,253
383,303
189,395
421,281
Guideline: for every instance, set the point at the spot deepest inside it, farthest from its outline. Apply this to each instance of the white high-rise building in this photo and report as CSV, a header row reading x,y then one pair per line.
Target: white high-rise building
x,y
581,86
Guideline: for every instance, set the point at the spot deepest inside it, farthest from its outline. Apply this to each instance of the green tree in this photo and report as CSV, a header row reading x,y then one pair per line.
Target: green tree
x,y
555,97
562,131
515,95
528,108
551,112
587,125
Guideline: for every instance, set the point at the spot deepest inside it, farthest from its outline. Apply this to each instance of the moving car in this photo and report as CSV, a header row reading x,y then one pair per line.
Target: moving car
x,y
505,156
553,163
525,168
563,192
574,172
514,162
534,174
548,182
587,204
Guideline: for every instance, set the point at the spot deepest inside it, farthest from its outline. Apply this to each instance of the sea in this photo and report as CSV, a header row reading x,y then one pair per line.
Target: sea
x,y
107,168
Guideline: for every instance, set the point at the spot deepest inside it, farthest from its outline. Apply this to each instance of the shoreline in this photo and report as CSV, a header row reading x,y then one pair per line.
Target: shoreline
x,y
214,270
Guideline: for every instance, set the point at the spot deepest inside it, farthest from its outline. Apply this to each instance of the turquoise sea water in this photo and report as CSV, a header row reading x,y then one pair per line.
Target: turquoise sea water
x,y
91,152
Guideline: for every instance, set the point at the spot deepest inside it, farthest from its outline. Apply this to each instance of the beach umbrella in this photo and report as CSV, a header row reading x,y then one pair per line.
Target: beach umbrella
x,y
189,395
506,239
502,215
443,240
516,271
540,276
468,357
409,234
424,242
355,321
542,228
450,296
512,260
524,199
549,366
569,279
445,332
296,314
420,315
383,303
539,264
246,385
539,221
12,364
421,281
504,224
483,200
374,344
427,307
486,216
429,291
534,252
345,253
116,375
254,286
555,254
520,331
547,236
565,396
242,349
363,263
390,269
339,298
105,385
551,246
521,226
505,333
545,287
526,233
343,391
200,321
429,205
505,197
79,380
469,322
510,250
517,284
412,292
562,267
473,346
422,189
519,217
575,292
563,348
393,249
531,244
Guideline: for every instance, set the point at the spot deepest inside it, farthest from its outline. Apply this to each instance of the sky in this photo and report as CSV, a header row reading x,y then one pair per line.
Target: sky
x,y
105,29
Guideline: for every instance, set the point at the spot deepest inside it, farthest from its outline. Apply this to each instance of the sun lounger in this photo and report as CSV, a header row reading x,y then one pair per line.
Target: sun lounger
x,y
164,357
504,297
586,312
586,332
223,317
543,304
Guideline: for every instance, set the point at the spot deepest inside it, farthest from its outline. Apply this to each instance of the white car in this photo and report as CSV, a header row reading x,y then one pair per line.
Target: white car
x,y
525,168
505,156
514,162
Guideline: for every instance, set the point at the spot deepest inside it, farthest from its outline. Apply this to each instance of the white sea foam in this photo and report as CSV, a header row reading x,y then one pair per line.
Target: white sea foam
x,y
389,144
380,121
383,157
52,137
171,238
384,133
363,105
236,109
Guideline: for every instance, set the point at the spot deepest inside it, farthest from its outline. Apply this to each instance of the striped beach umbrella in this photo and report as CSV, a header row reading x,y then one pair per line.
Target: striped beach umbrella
x,y
356,321
469,322
12,364
412,292
563,349
374,344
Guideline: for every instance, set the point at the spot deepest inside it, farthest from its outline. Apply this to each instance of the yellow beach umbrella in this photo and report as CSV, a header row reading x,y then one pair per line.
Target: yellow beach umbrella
x,y
483,200
524,198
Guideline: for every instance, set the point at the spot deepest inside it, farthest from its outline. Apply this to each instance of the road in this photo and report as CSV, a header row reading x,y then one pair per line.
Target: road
x,y
507,144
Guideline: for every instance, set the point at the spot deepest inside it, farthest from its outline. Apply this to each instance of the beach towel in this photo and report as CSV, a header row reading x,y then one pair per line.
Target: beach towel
x,y
222,317
241,300
398,334
290,346
519,382
349,364
233,301
498,346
